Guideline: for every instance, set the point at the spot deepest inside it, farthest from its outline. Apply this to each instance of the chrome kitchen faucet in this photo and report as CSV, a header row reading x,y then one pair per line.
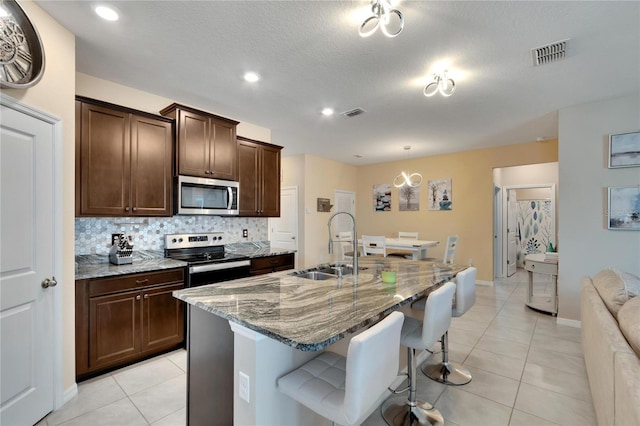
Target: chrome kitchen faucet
x,y
355,240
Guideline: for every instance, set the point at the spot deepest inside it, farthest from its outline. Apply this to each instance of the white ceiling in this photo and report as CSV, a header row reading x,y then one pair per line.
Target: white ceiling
x,y
310,56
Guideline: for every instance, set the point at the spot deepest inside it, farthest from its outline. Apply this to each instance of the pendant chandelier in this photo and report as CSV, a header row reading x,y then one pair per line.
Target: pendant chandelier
x,y
382,17
412,180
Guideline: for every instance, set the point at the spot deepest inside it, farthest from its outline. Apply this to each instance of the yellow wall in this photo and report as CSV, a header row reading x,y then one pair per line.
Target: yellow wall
x,y
54,95
471,218
320,178
472,195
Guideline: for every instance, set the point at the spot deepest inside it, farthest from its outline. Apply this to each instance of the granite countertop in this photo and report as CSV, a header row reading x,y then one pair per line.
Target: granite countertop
x,y
310,315
98,266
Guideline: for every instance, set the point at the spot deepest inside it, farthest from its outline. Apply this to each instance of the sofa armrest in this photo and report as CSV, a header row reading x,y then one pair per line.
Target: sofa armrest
x,y
601,339
627,389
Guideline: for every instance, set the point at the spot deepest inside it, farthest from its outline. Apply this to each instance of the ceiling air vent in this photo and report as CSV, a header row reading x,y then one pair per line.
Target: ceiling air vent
x,y
354,112
550,53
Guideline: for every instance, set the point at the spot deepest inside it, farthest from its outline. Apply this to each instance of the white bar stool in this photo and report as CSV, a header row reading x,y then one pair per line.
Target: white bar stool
x,y
420,335
447,372
347,390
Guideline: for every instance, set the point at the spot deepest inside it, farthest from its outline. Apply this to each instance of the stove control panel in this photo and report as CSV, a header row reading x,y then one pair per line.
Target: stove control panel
x,y
177,241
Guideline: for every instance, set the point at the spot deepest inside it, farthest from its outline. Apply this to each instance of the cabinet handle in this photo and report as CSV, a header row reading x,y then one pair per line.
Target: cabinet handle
x,y
142,281
135,209
138,297
273,261
126,209
146,296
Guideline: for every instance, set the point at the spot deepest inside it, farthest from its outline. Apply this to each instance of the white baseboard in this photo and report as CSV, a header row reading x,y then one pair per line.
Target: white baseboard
x,y
70,393
482,282
569,322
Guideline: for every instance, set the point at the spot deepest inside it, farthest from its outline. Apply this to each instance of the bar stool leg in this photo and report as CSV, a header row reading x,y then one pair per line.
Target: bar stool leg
x,y
412,412
447,372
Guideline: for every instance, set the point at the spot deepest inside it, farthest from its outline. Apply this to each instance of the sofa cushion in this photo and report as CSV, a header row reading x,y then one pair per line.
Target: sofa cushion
x,y
629,321
611,288
631,284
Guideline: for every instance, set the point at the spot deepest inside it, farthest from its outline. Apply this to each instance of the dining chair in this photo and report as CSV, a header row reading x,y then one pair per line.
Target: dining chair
x,y
347,390
374,244
346,238
413,235
450,249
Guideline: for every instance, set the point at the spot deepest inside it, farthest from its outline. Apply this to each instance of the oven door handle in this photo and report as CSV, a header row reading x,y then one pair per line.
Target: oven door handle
x,y
218,266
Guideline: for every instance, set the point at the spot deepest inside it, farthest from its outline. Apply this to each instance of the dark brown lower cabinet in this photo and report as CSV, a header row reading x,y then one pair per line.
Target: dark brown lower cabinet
x,y
269,264
124,319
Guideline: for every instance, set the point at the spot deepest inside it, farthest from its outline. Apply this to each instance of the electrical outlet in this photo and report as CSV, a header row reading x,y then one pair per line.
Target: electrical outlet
x,y
244,386
245,233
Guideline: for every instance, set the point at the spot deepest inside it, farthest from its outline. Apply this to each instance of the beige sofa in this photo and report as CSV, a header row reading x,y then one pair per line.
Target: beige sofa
x,y
611,357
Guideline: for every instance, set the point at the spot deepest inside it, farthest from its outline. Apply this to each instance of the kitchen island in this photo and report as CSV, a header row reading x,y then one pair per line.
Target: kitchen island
x,y
278,322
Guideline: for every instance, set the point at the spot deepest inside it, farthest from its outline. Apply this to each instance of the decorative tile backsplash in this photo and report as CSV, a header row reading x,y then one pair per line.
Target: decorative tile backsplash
x,y
93,235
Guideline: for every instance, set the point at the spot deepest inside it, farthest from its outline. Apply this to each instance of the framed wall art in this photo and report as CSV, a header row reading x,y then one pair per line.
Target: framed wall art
x,y
624,208
382,197
440,197
409,197
624,150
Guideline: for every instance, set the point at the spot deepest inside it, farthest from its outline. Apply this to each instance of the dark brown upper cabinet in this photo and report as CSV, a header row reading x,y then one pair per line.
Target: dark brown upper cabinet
x,y
259,177
206,143
124,161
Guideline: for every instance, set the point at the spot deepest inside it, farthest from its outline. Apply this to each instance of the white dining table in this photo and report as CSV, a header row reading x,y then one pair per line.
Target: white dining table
x,y
418,248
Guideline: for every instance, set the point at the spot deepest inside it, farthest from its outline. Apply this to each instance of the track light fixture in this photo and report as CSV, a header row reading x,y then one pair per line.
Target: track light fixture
x,y
445,86
382,17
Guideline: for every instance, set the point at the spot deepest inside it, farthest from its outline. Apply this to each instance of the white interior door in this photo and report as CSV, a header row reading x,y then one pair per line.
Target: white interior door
x,y
512,205
344,201
284,229
27,188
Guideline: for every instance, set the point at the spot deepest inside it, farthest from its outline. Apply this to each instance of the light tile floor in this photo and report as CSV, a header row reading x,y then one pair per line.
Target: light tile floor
x,y
527,371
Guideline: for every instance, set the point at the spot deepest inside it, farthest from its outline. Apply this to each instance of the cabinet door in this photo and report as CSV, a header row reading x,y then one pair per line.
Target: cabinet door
x,y
223,152
248,167
151,162
270,174
105,162
163,318
114,328
193,144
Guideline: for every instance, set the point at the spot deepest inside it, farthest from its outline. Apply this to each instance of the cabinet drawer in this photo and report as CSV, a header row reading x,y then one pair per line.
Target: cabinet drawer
x,y
273,262
119,283
541,267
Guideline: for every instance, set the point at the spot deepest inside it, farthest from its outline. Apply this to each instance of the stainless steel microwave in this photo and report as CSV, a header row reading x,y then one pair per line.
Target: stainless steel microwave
x,y
201,196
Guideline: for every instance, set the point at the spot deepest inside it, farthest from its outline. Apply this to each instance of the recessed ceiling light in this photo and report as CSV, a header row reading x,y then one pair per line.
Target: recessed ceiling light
x,y
327,111
251,77
106,13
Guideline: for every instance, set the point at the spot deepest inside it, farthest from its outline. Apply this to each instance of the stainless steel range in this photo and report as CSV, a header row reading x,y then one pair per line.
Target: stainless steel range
x,y
207,260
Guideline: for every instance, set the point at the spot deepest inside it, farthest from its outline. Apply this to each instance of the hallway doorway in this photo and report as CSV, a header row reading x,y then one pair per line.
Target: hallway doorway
x,y
528,195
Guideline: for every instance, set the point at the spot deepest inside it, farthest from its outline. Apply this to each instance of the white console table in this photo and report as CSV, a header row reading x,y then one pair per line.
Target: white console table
x,y
545,302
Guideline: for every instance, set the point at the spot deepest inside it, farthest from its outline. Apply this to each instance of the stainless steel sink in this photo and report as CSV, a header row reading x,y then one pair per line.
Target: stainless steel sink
x,y
324,271
314,275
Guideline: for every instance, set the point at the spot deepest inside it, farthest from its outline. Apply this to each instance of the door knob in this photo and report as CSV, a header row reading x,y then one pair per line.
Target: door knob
x,y
46,283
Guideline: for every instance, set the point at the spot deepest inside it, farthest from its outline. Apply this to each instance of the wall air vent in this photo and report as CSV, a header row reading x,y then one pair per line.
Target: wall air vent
x,y
354,112
550,53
